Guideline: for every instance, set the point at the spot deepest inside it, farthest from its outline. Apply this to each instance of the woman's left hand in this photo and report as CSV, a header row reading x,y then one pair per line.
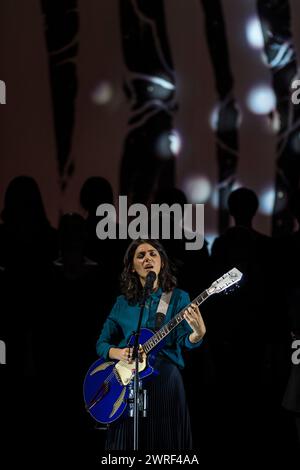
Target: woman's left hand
x,y
194,318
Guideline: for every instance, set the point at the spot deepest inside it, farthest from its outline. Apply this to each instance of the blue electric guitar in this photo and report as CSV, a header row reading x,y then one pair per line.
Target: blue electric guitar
x,y
106,385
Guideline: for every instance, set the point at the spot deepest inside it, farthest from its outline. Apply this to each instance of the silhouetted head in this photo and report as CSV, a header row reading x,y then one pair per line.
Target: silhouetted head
x,y
72,232
95,191
294,204
242,205
170,196
23,203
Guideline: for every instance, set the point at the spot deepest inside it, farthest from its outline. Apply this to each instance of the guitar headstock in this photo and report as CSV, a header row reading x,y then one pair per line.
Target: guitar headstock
x,y
229,279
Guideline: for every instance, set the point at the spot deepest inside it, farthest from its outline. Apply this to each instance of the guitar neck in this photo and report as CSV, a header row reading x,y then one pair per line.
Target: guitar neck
x,y
175,321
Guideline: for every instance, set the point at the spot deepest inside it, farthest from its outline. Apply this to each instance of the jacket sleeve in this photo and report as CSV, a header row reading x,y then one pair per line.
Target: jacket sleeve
x,y
184,330
109,331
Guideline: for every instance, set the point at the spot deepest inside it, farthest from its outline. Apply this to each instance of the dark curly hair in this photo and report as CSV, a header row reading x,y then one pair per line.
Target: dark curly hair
x,y
130,283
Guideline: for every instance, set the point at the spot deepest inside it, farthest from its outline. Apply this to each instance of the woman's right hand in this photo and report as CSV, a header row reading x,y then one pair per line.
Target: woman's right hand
x,y
125,354
121,354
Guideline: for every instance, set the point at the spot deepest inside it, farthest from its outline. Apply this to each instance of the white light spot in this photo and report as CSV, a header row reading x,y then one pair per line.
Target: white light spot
x,y
197,189
261,99
162,82
254,33
266,201
214,200
103,93
158,88
169,144
214,118
210,238
274,122
175,142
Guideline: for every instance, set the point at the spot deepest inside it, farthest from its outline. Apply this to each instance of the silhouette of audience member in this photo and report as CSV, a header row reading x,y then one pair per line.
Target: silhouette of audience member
x,y
27,239
108,253
243,247
245,323
291,399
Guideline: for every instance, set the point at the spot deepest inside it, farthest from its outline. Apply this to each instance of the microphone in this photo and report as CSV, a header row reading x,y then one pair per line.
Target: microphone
x,y
150,279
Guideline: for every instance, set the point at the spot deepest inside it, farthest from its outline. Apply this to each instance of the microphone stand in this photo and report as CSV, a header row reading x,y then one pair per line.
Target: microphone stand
x,y
135,355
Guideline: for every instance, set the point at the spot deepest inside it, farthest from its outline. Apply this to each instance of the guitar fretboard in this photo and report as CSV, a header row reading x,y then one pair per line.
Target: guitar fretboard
x,y
166,329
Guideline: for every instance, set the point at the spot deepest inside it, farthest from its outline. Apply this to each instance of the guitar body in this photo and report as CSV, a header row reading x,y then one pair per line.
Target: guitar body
x,y
106,385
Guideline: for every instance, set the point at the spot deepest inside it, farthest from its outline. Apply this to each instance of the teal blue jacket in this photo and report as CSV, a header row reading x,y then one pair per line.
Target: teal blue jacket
x,y
123,320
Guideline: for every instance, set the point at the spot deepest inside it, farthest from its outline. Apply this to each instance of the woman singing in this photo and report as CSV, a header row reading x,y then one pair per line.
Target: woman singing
x,y
167,425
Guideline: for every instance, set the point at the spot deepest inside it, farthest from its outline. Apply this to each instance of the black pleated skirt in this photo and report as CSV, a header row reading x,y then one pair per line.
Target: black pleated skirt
x,y
167,425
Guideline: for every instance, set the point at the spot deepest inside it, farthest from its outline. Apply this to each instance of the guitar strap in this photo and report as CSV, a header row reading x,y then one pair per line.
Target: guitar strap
x,y
162,308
